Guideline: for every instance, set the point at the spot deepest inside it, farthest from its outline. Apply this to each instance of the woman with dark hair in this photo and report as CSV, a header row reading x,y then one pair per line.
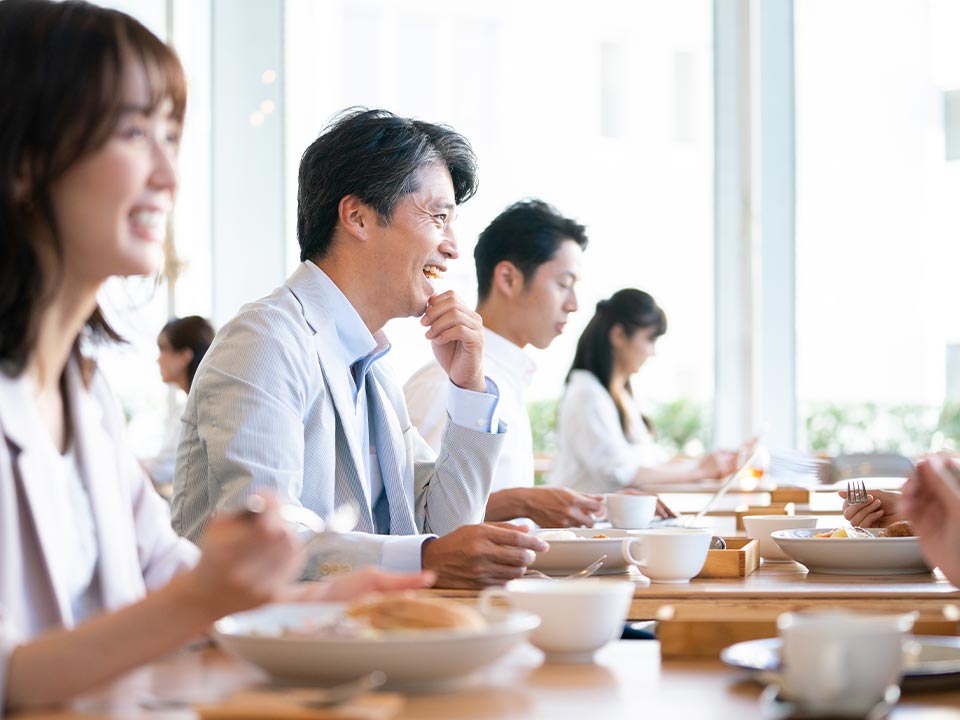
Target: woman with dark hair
x,y
182,344
606,444
89,129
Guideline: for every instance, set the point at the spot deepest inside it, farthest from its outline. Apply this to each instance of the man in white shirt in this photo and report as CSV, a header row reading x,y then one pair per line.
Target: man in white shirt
x,y
528,263
293,396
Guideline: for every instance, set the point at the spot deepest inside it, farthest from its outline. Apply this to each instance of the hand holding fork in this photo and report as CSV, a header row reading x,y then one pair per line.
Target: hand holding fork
x,y
878,508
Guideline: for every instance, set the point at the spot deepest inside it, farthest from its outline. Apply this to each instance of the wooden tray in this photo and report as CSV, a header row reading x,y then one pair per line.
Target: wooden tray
x,y
741,558
774,508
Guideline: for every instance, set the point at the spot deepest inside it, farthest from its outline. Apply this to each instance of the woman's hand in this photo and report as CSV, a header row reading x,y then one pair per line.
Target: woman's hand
x,y
358,583
247,559
882,509
717,464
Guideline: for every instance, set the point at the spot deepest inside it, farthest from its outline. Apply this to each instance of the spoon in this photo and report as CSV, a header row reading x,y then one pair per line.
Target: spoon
x,y
586,572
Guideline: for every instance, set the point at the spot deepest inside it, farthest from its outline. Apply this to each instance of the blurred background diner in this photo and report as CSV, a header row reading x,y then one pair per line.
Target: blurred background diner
x,y
181,345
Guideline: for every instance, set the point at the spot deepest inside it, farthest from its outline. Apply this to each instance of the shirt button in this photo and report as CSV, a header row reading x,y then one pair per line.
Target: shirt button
x,y
325,568
481,422
347,567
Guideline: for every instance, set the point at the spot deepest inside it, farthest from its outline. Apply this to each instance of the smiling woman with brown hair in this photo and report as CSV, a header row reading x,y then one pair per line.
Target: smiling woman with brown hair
x,y
89,130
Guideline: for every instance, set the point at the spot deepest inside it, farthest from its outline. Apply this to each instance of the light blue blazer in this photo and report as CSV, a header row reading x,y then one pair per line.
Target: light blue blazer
x,y
266,411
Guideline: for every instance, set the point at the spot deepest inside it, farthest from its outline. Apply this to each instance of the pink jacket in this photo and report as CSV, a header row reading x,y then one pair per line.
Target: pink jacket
x,y
138,549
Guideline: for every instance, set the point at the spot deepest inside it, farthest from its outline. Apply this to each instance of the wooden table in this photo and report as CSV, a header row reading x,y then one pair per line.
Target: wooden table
x,y
628,681
775,588
703,616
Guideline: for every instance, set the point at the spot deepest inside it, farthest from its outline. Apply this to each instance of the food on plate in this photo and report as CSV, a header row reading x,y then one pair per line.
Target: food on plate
x,y
549,535
903,528
403,611
897,529
848,532
601,536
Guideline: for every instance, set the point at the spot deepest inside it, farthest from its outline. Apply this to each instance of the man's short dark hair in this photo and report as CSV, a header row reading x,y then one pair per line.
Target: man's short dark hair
x,y
374,155
526,234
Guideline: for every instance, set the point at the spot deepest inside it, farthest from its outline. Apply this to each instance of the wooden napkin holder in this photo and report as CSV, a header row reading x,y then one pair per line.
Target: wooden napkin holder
x,y
741,558
790,494
774,508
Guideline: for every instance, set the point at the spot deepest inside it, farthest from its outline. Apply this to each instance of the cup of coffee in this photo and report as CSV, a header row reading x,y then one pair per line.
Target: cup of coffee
x,y
760,527
577,617
839,662
630,511
672,555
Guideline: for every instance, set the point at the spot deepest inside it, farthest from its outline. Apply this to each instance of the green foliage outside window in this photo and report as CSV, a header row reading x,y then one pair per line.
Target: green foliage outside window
x,y
680,425
907,429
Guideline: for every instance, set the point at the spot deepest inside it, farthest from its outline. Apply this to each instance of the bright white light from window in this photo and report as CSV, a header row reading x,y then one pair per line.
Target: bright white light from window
x,y
269,77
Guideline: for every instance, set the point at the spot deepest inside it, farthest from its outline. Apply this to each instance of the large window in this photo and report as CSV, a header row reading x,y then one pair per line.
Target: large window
x,y
602,109
878,227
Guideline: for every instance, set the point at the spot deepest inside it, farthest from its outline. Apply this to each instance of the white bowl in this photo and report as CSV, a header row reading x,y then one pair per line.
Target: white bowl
x,y
569,555
577,617
415,659
852,556
760,527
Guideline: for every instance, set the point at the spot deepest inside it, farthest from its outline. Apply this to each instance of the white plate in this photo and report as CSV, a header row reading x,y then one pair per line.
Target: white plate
x,y
852,556
416,659
936,666
567,556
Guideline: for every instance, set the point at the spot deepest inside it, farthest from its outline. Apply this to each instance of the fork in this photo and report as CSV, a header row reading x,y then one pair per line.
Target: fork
x,y
856,492
586,572
343,519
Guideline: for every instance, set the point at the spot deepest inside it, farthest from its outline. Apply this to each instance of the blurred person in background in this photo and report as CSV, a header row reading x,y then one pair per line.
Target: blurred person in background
x,y
528,262
605,443
182,343
93,581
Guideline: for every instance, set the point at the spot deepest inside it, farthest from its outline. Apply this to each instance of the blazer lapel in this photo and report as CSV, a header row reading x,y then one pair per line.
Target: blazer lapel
x,y
34,464
335,375
396,473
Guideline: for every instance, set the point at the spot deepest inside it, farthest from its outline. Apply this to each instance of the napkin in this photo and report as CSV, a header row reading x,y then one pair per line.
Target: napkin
x,y
274,705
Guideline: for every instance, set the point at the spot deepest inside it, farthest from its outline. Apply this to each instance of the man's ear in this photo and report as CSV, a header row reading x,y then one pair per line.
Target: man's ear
x,y
355,216
507,279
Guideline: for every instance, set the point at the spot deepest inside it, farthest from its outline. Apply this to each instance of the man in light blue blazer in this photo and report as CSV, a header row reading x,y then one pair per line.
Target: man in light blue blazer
x,y
294,397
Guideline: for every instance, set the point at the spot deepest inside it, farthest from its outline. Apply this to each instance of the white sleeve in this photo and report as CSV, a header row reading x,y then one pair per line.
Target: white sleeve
x,y
591,430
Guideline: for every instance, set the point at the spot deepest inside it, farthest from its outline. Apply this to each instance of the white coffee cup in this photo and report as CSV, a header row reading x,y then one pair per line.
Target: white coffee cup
x,y
840,662
630,511
577,617
672,555
760,527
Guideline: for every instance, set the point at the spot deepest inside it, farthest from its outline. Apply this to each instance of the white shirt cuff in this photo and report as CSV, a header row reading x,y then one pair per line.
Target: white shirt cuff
x,y
401,553
475,410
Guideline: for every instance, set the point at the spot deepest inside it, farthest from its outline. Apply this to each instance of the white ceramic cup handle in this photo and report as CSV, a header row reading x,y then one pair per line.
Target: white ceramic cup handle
x,y
627,550
488,595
